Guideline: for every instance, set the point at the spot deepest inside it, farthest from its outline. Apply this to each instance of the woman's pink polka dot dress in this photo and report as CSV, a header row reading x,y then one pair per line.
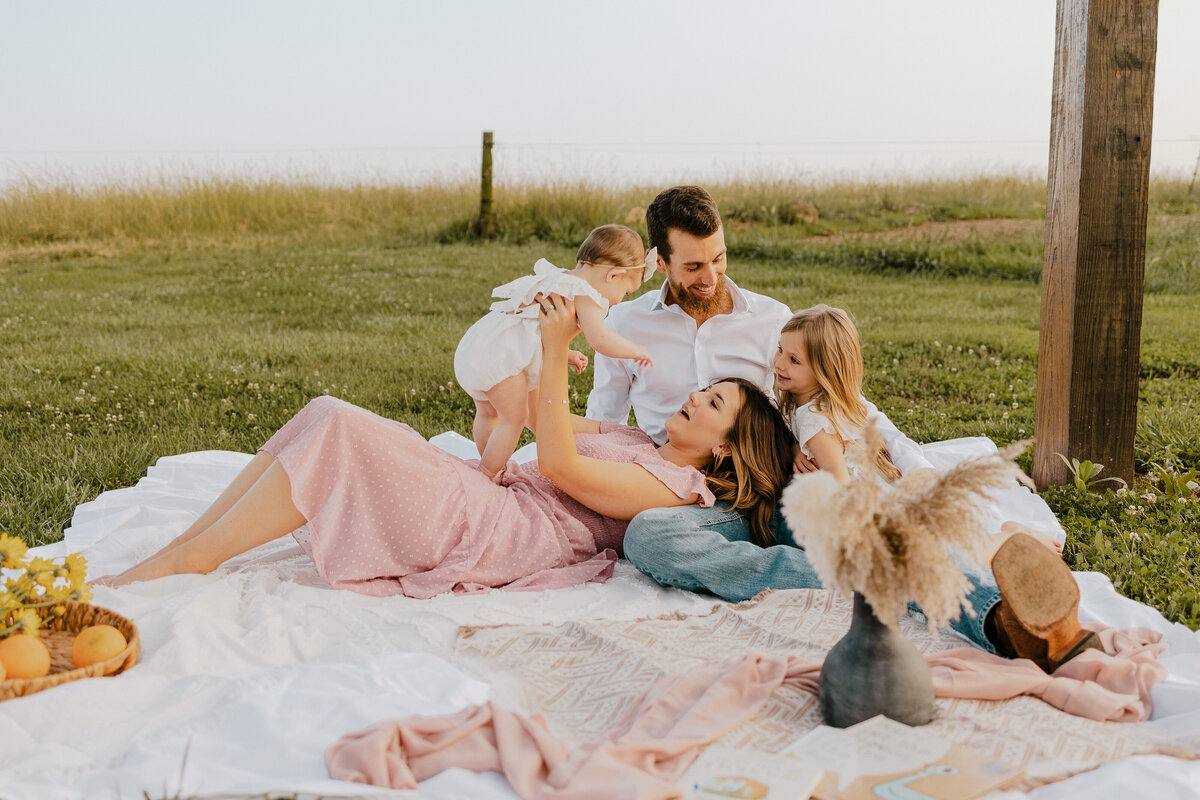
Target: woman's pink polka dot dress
x,y
389,513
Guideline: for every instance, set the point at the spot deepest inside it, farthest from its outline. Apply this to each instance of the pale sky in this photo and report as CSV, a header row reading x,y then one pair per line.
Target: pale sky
x,y
632,91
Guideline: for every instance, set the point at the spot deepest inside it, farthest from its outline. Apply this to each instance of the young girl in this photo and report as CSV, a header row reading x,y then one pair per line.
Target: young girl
x,y
818,383
818,378
499,359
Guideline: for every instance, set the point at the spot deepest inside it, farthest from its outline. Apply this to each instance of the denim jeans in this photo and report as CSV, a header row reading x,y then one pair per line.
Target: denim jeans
x,y
711,549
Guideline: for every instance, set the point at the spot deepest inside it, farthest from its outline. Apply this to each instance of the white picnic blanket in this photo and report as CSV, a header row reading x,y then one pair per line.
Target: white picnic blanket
x,y
249,673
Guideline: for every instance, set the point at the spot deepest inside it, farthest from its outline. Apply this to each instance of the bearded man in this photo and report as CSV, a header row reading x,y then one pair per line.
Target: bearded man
x,y
699,327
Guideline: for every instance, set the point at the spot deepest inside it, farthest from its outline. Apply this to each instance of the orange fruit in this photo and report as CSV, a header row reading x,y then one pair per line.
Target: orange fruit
x,y
96,643
24,656
3,672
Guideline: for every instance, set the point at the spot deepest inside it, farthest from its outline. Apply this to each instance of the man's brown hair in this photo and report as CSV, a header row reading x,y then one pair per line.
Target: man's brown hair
x,y
687,208
612,245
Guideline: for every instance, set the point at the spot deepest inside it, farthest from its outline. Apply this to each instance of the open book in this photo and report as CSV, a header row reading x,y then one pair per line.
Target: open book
x,y
721,773
881,759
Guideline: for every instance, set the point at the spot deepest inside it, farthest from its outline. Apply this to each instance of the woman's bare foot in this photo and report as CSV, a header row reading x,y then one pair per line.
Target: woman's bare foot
x,y
1010,529
160,565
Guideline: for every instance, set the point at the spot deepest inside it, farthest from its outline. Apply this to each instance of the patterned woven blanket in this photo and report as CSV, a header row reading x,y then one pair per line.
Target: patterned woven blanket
x,y
581,676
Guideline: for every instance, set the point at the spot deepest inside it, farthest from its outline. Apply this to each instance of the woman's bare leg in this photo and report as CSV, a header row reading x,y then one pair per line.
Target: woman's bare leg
x,y
264,512
240,485
1011,528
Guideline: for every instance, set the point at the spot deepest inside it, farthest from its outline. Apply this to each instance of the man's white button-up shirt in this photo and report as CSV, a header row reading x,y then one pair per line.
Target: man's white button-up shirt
x,y
686,357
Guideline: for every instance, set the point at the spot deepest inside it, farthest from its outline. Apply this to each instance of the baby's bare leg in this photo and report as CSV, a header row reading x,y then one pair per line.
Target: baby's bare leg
x,y
485,423
510,399
264,512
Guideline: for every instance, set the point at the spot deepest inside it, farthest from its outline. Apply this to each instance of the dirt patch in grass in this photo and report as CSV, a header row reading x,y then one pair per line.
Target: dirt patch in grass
x,y
960,230
950,231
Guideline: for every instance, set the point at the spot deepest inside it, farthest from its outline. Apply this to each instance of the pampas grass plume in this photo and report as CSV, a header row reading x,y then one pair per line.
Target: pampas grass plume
x,y
904,542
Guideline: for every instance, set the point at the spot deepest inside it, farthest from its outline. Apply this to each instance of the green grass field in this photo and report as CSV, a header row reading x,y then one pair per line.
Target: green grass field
x,y
137,323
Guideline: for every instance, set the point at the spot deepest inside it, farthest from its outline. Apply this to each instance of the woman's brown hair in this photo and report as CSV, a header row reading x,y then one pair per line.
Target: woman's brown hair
x,y
752,476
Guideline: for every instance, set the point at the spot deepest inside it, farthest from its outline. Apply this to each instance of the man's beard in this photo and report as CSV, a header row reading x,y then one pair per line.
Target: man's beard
x,y
702,306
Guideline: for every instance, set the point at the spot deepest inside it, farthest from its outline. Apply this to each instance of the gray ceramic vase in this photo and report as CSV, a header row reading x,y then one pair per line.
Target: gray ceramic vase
x,y
874,670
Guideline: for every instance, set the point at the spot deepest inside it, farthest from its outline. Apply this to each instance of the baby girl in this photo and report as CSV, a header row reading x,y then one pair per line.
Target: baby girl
x,y
499,359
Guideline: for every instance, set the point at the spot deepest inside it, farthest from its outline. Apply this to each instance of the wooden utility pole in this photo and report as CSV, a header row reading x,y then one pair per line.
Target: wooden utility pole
x,y
1094,264
487,216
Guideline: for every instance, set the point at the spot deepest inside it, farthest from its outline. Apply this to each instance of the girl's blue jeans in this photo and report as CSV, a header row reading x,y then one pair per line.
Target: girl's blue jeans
x,y
711,549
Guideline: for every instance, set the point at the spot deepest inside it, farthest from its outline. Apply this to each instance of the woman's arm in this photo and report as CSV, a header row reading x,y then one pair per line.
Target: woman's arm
x,y
604,341
620,491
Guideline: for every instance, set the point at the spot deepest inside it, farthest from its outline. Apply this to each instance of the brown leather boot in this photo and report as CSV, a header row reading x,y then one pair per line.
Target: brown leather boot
x,y
1038,614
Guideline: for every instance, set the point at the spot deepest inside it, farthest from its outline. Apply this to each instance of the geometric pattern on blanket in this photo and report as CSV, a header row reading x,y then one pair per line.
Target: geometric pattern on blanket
x,y
580,676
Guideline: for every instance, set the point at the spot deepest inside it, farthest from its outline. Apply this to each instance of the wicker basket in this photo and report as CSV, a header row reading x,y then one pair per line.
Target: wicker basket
x,y
59,635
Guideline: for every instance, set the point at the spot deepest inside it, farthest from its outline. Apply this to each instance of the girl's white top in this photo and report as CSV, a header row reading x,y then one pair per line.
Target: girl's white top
x,y
507,341
807,422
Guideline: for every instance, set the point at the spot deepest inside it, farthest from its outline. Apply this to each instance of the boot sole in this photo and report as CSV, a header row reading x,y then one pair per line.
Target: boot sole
x,y
1039,590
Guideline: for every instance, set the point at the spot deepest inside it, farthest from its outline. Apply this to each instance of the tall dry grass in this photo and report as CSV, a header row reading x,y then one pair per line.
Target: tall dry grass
x,y
203,211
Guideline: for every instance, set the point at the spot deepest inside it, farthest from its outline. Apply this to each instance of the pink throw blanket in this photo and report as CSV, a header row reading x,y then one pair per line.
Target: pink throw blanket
x,y
662,732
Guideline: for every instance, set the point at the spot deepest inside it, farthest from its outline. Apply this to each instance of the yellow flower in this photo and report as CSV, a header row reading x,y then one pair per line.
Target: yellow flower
x,y
21,587
12,550
27,621
76,564
8,603
37,585
42,571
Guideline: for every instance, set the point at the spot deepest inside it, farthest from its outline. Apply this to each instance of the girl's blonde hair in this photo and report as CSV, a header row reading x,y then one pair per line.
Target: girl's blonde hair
x,y
831,344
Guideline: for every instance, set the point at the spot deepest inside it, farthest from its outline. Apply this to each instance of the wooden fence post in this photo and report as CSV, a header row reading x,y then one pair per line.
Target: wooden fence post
x,y
487,215
1094,263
